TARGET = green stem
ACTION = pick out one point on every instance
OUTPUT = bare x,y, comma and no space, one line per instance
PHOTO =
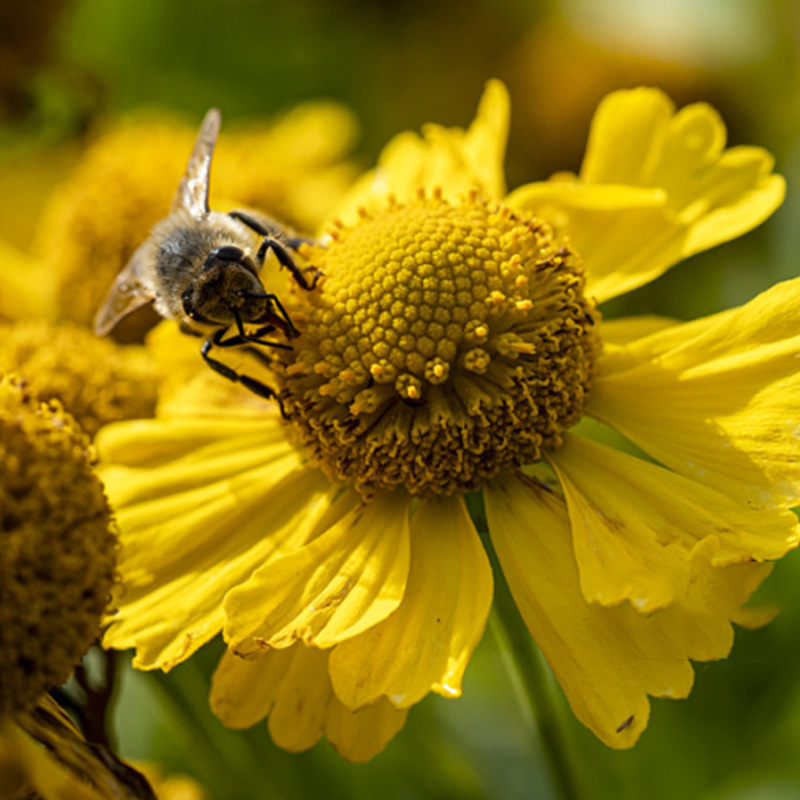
531,680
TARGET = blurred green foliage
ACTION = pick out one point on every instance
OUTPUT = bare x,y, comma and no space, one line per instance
398,65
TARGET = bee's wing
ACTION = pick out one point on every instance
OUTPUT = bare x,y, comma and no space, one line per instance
130,291
192,194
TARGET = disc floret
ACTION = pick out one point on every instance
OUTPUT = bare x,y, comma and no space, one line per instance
445,342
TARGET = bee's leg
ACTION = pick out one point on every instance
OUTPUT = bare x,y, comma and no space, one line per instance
287,260
243,337
272,229
264,225
255,386
280,241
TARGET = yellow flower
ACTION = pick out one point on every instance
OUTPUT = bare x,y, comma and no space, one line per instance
59,552
97,380
449,347
56,571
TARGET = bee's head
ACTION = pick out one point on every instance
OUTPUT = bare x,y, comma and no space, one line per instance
228,285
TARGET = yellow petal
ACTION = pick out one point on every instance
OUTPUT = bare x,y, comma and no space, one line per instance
629,329
196,518
624,348
716,400
619,334
243,691
635,526
483,145
700,195
628,130
607,660
170,611
338,585
297,719
451,159
742,197
150,442
551,199
360,735
624,242
306,708
426,643
293,686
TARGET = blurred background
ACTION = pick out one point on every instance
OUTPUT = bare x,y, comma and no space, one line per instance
71,69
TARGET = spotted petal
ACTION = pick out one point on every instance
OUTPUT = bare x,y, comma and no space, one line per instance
672,190
426,643
608,660
336,586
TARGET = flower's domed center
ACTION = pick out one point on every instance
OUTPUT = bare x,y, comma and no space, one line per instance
58,553
443,343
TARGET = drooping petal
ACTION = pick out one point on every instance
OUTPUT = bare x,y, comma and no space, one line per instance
699,194
336,586
209,507
451,159
243,691
360,735
635,526
297,719
607,660
717,399
426,643
293,687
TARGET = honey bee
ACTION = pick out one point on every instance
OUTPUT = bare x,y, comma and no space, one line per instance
201,268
